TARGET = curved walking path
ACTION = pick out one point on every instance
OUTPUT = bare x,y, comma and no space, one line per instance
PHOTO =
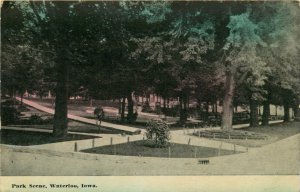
105,139
178,136
127,129
281,157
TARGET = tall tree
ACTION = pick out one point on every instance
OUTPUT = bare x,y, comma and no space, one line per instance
191,35
241,61
64,29
279,27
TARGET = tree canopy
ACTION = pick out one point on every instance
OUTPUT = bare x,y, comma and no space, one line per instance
206,51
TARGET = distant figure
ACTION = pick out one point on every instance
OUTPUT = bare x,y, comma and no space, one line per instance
99,114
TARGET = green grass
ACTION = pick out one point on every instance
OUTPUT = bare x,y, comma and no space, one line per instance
274,133
73,126
26,138
146,149
79,108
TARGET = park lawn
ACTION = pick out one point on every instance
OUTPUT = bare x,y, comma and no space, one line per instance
74,126
26,138
77,107
80,108
143,148
274,132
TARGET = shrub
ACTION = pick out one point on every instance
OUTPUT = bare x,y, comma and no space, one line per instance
135,115
35,119
146,108
9,115
48,120
22,108
8,102
158,131
174,111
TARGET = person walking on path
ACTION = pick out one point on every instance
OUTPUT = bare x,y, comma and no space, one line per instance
99,114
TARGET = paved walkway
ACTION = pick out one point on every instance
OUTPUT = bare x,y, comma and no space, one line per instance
127,129
106,139
183,136
281,157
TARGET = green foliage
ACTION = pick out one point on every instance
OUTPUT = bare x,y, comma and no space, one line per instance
175,49
191,39
243,32
200,39
281,31
9,115
22,68
279,28
158,131
243,58
156,11
175,54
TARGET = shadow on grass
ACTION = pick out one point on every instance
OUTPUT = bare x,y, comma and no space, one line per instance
146,149
73,126
26,138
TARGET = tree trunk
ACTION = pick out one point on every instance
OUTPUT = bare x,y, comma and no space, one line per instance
123,110
180,110
11,93
227,102
120,106
60,125
207,110
216,108
253,113
286,108
52,102
297,111
21,99
198,107
14,96
266,112
185,103
130,108
287,98
236,109
183,116
91,102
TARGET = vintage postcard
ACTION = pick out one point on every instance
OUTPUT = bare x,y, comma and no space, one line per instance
150,95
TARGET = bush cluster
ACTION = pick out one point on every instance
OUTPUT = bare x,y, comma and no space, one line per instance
158,131
9,115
